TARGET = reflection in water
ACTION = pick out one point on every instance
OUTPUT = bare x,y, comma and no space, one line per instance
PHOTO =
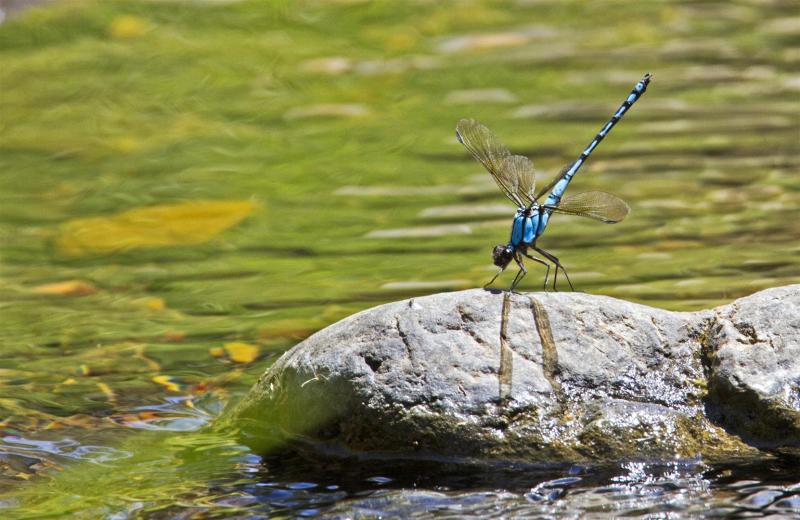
63,448
408,489
328,129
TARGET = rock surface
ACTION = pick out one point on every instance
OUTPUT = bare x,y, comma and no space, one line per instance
752,353
539,377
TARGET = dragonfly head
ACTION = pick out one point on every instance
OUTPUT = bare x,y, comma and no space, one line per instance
502,255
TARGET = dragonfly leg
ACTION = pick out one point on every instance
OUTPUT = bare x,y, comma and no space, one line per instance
487,284
520,274
558,265
546,273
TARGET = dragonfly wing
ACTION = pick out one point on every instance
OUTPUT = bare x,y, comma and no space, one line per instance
520,168
598,205
491,153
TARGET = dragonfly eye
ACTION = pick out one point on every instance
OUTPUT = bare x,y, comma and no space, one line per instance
502,255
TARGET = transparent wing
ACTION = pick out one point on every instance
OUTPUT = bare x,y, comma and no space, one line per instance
598,205
520,169
492,154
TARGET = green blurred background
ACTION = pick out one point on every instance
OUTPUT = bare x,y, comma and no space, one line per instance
188,188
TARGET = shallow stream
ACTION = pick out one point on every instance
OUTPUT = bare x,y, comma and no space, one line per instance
187,189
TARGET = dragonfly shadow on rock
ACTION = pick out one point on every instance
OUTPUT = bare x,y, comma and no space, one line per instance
505,370
550,366
516,178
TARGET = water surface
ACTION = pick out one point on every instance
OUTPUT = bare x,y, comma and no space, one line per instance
190,188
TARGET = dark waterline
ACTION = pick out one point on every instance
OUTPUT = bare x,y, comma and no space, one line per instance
353,488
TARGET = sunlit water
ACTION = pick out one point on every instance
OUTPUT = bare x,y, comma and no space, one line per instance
189,189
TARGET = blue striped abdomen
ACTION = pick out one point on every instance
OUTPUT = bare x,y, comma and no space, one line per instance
554,197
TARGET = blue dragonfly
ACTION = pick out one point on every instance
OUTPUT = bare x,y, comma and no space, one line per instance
516,178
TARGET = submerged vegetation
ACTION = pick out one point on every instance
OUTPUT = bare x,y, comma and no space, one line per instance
189,188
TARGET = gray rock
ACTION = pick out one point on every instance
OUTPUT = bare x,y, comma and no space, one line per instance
752,352
567,376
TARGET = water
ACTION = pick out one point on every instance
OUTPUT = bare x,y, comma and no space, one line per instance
135,304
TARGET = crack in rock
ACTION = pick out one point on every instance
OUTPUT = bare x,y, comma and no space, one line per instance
467,318
404,338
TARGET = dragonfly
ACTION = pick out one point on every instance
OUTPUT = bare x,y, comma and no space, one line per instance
516,178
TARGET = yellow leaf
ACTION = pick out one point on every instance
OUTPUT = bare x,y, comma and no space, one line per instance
155,304
66,288
127,27
216,351
167,382
153,226
241,352
106,390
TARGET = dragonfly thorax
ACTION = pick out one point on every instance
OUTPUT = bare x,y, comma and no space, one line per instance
528,224
533,209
